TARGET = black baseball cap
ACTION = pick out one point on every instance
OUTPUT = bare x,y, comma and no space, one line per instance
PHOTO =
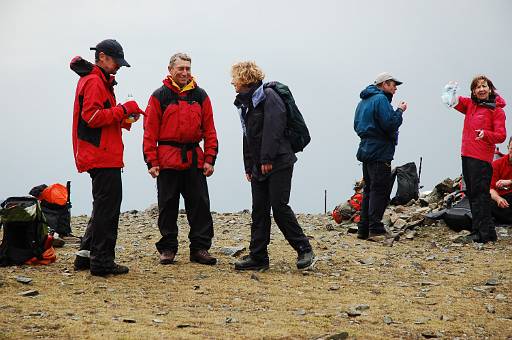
113,49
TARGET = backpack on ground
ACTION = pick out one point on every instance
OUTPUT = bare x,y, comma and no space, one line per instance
408,183
296,130
458,216
25,232
55,205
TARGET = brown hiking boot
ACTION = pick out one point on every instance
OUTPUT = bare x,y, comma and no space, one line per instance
167,257
202,256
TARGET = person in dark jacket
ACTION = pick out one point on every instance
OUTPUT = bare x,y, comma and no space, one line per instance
377,123
98,150
268,161
178,117
484,127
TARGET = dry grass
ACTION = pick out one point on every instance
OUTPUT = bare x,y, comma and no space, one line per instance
426,286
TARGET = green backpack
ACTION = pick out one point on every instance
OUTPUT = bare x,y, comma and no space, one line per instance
25,230
296,130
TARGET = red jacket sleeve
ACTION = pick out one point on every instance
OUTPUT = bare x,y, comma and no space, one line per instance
499,132
462,106
496,173
211,144
93,111
152,132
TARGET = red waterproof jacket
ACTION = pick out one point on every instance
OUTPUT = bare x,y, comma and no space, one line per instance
481,116
176,121
97,122
501,169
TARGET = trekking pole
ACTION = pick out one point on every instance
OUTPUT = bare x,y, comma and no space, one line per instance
419,173
325,201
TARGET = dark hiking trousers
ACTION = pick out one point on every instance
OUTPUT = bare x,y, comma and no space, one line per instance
377,187
101,234
191,184
502,215
477,175
274,192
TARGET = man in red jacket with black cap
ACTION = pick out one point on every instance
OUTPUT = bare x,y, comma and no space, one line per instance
98,150
178,117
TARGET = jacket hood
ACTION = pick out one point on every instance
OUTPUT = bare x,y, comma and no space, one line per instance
372,90
81,66
500,102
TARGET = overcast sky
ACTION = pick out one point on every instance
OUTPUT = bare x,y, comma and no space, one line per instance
326,51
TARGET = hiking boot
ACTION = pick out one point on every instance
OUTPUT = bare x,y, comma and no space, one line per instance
380,236
202,256
167,257
248,263
362,232
116,269
58,242
306,260
82,263
465,239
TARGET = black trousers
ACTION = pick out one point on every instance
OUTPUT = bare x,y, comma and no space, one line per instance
377,187
274,192
477,175
502,215
191,184
101,234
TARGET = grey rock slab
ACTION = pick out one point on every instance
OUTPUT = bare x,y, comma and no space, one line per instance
500,297
431,334
232,251
31,292
491,282
353,312
485,289
388,320
23,279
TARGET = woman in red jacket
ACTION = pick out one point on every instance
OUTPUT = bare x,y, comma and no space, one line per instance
484,127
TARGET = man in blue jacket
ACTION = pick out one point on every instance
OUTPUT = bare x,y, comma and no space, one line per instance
377,123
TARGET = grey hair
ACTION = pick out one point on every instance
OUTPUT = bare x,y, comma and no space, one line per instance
181,56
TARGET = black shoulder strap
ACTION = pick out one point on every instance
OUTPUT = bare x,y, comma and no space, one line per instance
166,96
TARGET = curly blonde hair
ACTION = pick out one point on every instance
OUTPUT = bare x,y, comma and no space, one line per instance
247,72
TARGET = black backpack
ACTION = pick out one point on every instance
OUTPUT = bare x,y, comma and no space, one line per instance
457,217
296,130
25,230
408,183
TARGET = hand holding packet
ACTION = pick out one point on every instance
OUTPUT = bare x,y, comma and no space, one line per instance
449,95
132,110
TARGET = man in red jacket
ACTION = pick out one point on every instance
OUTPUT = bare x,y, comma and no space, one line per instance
98,149
179,116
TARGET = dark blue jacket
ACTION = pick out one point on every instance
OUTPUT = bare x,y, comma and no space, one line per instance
376,123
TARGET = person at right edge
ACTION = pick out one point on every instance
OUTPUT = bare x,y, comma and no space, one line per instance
377,123
268,161
484,127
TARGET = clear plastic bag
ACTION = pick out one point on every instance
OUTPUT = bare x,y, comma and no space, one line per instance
449,95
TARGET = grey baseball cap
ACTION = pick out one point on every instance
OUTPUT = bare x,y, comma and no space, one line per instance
384,76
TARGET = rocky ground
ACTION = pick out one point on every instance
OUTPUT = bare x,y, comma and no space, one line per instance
422,286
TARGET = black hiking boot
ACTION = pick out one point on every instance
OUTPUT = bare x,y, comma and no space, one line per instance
248,263
116,269
82,263
306,260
